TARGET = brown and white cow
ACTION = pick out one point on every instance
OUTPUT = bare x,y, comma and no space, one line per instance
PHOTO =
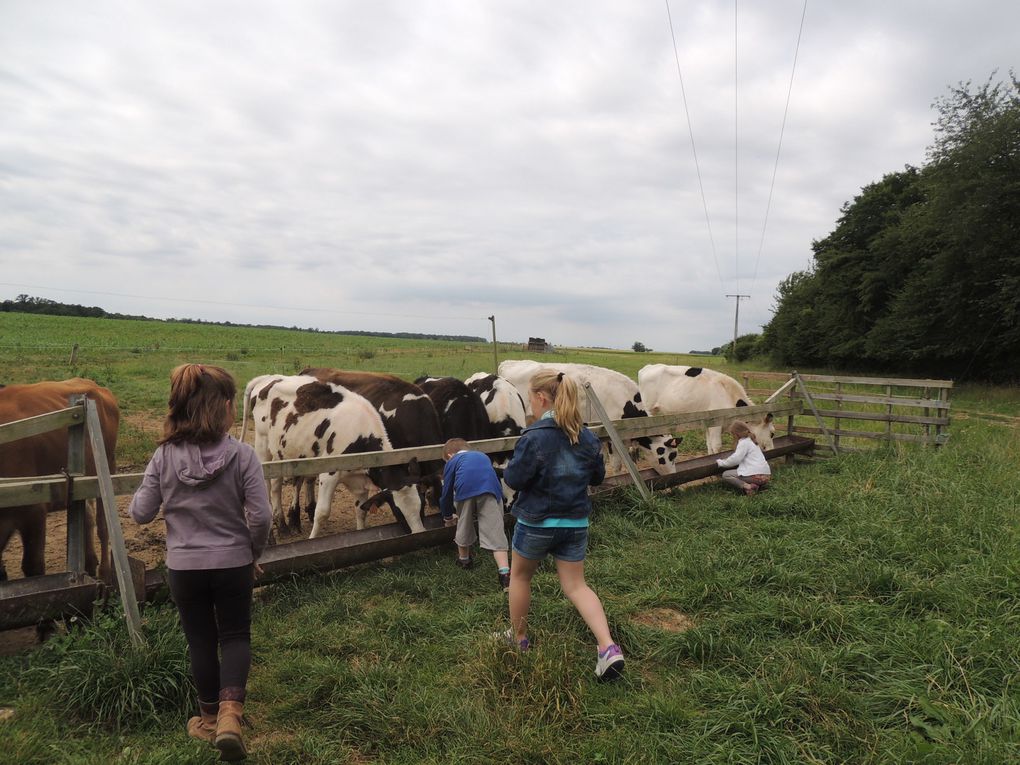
675,389
46,454
299,417
619,396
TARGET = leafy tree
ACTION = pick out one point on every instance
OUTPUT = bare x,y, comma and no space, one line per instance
922,271
639,347
747,348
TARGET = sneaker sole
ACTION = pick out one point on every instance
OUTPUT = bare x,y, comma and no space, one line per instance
613,672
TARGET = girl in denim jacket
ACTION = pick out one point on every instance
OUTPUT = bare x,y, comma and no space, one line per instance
554,463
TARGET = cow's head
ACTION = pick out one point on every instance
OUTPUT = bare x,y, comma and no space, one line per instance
662,450
764,431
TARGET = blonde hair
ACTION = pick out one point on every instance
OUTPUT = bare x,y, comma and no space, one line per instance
197,411
738,429
563,393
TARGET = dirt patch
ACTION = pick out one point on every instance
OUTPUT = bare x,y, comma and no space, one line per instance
666,619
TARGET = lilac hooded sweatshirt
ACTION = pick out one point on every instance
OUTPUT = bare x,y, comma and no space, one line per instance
214,501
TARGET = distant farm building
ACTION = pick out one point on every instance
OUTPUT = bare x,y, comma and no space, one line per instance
538,344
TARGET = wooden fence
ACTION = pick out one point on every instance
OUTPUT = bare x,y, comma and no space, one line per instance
26,601
845,410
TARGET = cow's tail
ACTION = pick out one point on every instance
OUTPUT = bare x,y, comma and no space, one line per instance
246,406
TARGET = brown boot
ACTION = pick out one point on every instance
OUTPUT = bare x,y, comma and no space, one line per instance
228,731
203,727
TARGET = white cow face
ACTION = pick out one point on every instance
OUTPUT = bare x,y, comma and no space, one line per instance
764,432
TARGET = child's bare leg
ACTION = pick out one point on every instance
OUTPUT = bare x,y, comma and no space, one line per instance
583,597
521,572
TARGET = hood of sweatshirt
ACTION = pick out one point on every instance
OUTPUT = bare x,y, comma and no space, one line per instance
201,464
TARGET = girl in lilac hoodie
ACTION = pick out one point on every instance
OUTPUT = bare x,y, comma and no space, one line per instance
218,516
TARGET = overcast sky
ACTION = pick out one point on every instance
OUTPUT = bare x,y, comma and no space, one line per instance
419,166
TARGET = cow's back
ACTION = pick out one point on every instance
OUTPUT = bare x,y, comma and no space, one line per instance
502,401
617,392
46,453
407,412
461,412
669,389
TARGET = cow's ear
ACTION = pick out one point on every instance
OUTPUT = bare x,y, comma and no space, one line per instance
673,443
413,469
768,418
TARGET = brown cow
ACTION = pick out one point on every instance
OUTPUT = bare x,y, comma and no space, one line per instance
46,454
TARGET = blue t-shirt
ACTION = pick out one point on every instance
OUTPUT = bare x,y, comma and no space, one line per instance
466,475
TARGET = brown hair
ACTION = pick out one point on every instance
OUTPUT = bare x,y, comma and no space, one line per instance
197,410
738,429
563,392
453,446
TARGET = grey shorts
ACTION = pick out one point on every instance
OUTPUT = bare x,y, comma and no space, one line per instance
488,510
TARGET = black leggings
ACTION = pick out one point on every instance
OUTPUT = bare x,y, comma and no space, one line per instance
215,610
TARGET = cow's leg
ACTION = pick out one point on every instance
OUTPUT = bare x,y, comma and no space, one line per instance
310,489
275,487
613,462
6,532
104,567
409,504
713,440
33,541
294,514
324,500
359,485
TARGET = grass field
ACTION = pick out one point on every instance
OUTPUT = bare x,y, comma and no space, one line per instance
864,610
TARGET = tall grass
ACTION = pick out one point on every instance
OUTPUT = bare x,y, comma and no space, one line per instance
863,610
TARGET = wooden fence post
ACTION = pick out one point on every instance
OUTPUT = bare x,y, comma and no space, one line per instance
642,487
76,508
120,556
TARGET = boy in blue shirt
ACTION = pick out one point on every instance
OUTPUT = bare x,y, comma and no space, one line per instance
472,490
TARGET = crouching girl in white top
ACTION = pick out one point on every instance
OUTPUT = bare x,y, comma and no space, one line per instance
752,472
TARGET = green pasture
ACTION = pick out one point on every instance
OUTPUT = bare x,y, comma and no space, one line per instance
864,610
134,359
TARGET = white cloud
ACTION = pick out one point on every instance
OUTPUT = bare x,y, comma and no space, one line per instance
384,162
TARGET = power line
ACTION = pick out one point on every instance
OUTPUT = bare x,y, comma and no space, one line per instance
782,130
241,305
694,150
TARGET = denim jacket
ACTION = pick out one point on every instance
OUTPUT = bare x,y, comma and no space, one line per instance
551,476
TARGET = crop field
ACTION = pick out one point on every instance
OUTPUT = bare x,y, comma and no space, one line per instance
863,610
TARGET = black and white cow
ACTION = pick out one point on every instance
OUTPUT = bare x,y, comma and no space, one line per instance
503,403
407,414
674,389
507,418
297,417
461,412
618,394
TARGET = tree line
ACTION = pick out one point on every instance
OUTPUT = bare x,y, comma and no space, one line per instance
922,271
29,304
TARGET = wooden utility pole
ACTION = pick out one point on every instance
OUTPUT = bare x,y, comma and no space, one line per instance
495,357
736,319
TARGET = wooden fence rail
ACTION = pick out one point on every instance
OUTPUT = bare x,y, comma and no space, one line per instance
24,491
863,404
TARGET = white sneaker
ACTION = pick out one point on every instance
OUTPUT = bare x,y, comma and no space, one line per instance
507,636
610,663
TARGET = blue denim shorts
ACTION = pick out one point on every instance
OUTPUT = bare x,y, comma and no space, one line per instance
534,542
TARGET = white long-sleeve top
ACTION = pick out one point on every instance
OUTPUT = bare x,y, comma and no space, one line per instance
748,458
